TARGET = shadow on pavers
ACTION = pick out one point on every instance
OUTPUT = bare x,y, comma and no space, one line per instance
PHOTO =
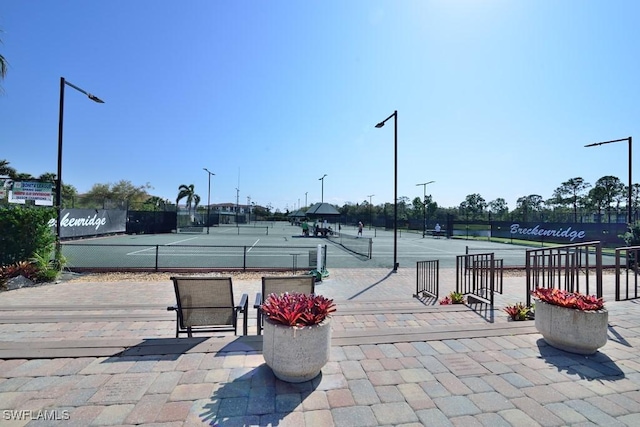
254,396
172,348
597,366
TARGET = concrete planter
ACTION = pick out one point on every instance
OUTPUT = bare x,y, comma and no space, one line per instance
296,354
575,331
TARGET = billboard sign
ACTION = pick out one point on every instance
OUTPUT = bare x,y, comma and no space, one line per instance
40,192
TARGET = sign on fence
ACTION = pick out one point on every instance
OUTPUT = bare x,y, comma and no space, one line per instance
39,192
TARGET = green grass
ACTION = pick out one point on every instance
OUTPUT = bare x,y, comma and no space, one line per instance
605,251
472,227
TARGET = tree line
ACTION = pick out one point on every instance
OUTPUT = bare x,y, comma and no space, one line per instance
574,200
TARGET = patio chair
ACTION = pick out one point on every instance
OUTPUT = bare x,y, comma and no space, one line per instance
304,284
206,304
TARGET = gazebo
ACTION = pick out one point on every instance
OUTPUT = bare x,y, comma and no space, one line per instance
322,211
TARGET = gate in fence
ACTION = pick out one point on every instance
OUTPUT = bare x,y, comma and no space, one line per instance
479,275
627,263
427,278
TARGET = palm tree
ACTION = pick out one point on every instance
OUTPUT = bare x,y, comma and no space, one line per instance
188,192
4,65
6,170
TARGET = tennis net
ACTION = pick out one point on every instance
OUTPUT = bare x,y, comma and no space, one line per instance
358,245
226,229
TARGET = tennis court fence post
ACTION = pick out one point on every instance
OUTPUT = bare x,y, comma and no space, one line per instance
244,258
157,256
324,255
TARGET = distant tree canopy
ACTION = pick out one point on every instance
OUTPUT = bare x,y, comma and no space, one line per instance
473,206
119,195
609,195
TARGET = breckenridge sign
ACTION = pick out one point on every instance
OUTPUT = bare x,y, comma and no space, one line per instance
558,233
90,222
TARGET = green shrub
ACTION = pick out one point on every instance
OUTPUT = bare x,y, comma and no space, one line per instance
632,236
24,231
47,268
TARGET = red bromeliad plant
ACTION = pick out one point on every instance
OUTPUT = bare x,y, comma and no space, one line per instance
568,299
297,309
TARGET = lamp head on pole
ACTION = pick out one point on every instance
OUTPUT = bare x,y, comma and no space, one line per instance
95,99
394,114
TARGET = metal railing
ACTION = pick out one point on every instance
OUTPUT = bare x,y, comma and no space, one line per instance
477,274
627,259
105,257
427,279
572,268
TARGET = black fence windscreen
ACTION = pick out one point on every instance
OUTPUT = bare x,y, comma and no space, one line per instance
75,223
145,222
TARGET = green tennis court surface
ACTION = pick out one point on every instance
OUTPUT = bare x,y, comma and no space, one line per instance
278,245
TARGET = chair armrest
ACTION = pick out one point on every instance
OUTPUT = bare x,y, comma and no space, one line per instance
244,308
172,308
243,305
258,302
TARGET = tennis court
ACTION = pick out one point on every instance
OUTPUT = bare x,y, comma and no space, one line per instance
274,245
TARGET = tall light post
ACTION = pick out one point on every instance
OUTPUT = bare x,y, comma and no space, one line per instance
94,98
395,185
322,193
424,207
629,201
370,214
237,206
305,199
209,199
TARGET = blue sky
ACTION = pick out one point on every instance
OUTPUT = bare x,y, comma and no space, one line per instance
494,97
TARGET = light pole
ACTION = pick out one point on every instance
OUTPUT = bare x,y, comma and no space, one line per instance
305,199
322,193
629,201
395,185
370,215
237,206
424,207
209,199
94,98
249,208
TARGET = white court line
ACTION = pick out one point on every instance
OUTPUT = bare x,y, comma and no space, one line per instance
252,246
140,251
166,244
179,241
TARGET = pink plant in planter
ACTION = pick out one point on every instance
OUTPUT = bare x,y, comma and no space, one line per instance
568,299
297,309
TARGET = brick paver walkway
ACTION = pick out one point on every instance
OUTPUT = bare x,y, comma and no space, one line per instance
465,378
